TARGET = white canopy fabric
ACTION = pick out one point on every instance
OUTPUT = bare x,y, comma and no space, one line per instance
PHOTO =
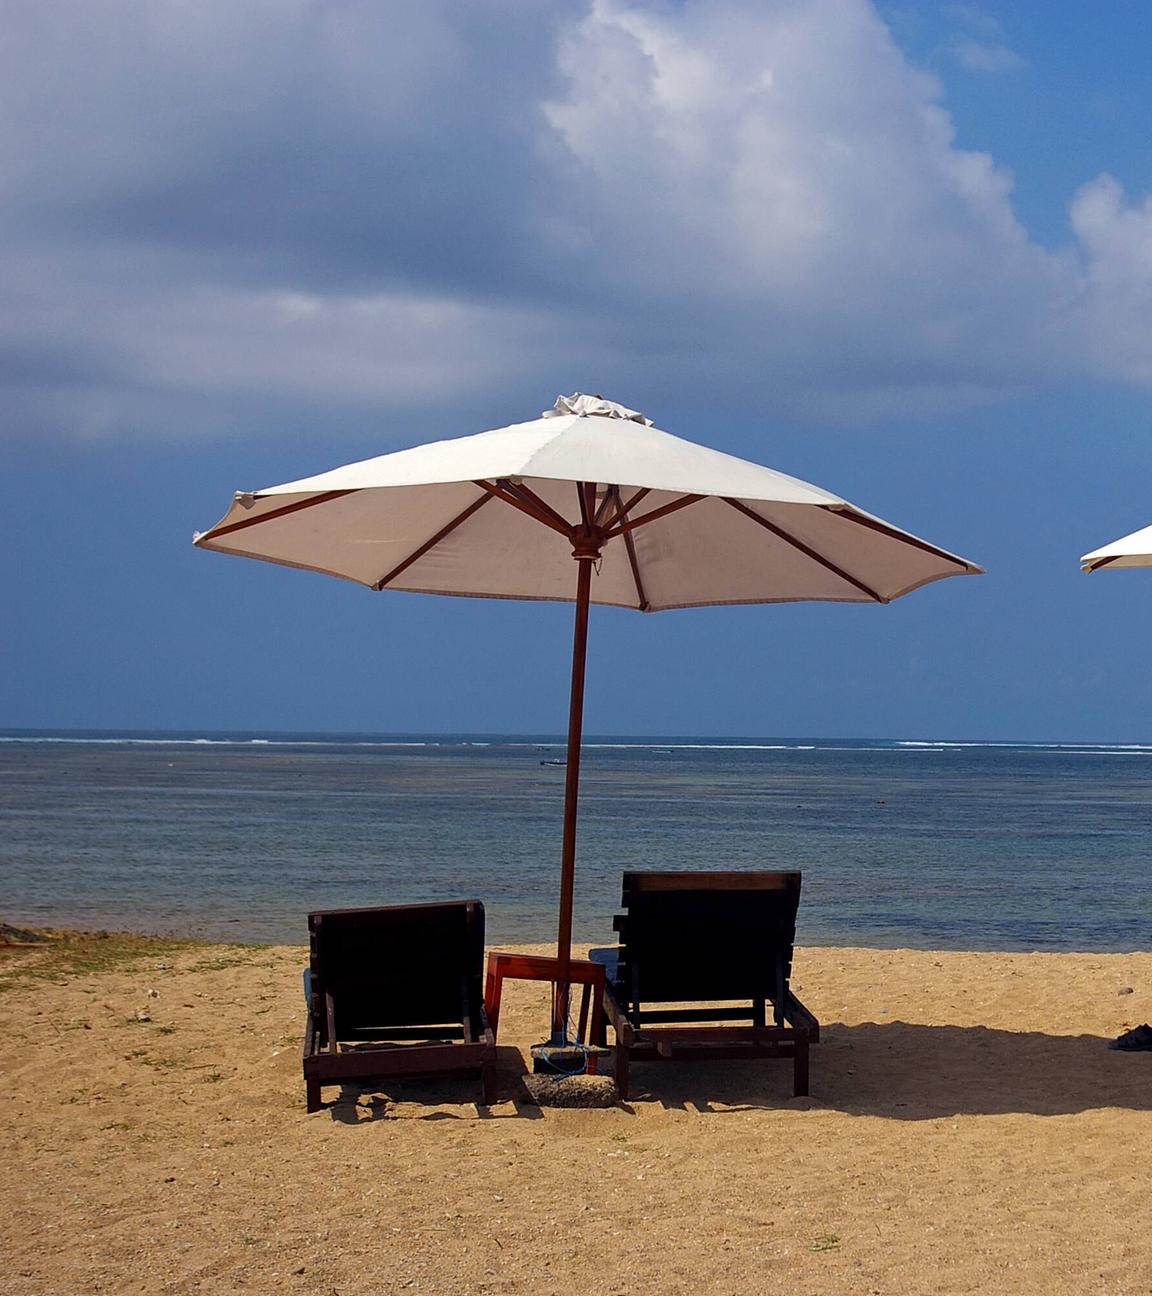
1133,550
678,525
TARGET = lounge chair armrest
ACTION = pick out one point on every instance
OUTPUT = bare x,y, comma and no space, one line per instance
330,1019
486,1033
311,1035
625,1031
795,1014
466,1010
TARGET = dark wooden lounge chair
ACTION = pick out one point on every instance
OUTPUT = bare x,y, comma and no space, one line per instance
397,992
719,947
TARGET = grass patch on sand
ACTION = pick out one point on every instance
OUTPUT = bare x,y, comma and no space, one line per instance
230,956
72,953
826,1242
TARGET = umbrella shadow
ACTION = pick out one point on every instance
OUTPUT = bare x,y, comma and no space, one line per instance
914,1072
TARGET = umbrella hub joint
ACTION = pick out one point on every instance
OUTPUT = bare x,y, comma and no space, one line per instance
587,543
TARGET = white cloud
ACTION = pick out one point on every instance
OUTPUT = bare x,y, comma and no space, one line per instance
1116,301
782,164
984,56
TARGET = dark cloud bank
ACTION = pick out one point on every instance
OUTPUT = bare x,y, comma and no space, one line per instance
223,217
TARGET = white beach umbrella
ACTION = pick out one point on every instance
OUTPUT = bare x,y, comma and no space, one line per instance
652,521
1133,550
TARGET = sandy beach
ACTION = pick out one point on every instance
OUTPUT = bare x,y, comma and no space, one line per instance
968,1131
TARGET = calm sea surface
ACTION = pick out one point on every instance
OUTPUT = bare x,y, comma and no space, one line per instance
237,836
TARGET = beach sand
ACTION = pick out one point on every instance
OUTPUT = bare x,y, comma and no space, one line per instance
968,1131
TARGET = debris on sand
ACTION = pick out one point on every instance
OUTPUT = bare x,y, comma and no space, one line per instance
10,935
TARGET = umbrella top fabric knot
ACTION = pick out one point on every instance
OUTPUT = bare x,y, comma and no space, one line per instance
582,405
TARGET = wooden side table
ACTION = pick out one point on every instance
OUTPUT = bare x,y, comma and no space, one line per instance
542,967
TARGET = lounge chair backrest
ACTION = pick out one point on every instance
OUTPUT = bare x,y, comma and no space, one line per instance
400,965
707,936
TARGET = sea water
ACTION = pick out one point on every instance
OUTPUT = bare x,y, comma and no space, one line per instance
916,843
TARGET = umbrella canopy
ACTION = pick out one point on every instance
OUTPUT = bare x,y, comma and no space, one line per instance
496,515
1133,550
653,521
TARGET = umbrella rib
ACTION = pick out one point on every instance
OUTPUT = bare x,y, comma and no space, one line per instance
274,513
624,527
527,493
582,499
525,506
630,546
644,490
804,549
611,497
461,517
1102,562
874,524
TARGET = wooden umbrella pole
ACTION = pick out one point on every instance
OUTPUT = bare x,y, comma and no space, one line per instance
571,797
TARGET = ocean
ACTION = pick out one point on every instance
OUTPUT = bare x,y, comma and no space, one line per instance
915,843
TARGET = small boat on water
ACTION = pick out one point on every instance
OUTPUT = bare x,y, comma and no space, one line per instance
555,760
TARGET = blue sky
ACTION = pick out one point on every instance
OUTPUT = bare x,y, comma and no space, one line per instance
900,250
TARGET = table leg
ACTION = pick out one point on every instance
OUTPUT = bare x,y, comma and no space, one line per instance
493,985
585,997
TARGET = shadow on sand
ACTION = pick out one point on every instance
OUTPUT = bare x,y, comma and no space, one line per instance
363,1104
893,1069
911,1072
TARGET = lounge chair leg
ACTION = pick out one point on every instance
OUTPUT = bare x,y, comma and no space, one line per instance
621,1070
800,1065
487,1085
312,1091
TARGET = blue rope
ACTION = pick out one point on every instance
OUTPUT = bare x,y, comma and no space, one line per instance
571,1042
